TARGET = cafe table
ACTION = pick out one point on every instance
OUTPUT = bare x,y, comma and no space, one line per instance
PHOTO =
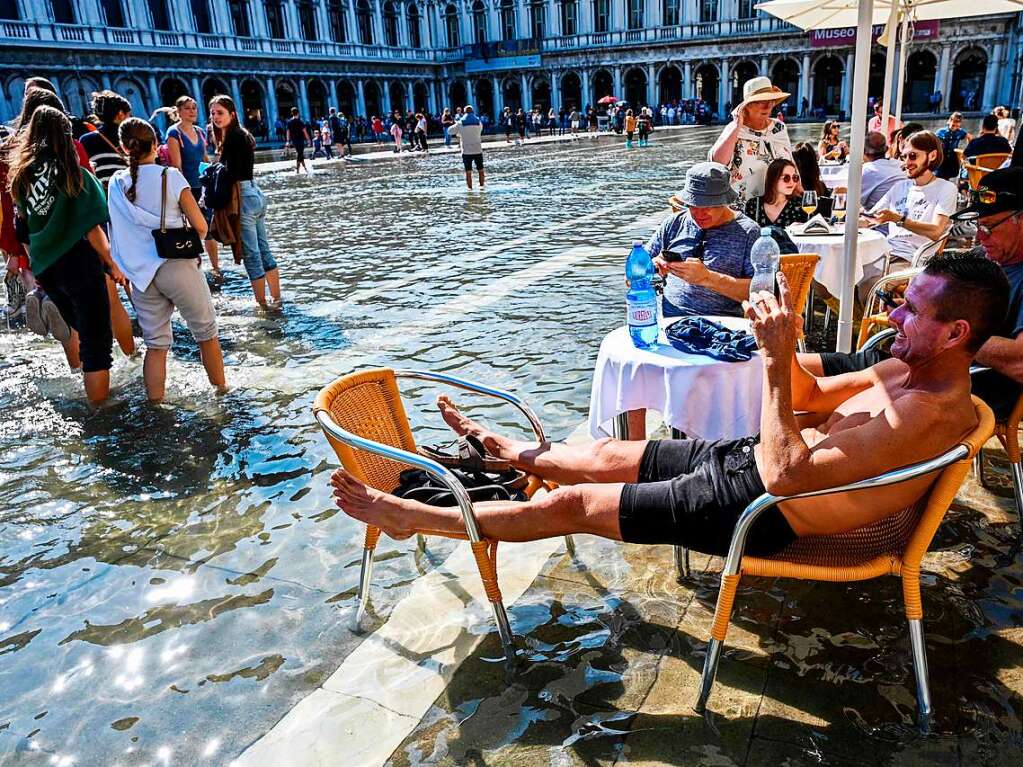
698,395
835,174
871,246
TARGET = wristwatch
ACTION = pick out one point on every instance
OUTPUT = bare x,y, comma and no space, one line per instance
902,220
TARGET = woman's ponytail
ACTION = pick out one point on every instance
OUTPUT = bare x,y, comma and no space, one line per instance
138,140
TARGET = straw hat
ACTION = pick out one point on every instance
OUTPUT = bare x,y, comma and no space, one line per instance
761,89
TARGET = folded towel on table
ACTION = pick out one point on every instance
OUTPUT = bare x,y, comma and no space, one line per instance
698,335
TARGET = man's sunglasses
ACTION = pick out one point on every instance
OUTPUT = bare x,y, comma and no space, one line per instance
986,230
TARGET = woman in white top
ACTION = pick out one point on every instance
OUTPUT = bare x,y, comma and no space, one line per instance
1006,125
135,197
753,139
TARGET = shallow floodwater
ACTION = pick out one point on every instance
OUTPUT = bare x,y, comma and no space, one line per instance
174,578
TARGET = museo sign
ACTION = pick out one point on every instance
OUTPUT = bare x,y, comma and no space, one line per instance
846,36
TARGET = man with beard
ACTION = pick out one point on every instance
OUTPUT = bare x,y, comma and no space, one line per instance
692,492
918,209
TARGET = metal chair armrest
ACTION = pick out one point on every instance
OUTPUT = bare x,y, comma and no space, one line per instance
893,477
478,388
428,465
877,338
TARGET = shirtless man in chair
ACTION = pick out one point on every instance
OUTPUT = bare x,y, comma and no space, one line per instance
687,492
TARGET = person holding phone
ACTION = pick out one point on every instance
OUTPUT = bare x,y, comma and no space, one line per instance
703,251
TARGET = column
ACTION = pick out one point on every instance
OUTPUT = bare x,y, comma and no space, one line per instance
272,112
105,79
585,21
652,15
498,98
617,15
360,99
385,96
687,80
764,67
197,95
378,23
804,82
553,23
523,23
260,28
352,24
616,73
992,77
303,99
587,94
292,29
154,93
847,76
651,86
724,90
527,93
944,75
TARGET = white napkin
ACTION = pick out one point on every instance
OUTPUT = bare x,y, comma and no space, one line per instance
816,225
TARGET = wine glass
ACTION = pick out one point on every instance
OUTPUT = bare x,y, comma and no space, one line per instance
809,202
838,205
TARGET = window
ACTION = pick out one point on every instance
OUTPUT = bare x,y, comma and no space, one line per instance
747,9
708,10
538,19
239,10
158,10
390,24
9,10
307,19
601,15
113,13
63,12
479,22
569,17
636,14
201,14
364,16
672,15
275,18
508,19
415,37
451,24
336,26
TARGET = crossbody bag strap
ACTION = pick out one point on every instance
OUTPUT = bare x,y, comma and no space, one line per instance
163,201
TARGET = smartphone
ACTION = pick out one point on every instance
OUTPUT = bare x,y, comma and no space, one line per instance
670,255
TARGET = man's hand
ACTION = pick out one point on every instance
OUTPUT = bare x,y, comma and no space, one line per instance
661,265
692,270
774,324
887,216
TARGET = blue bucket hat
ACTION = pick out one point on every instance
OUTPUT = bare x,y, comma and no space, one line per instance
708,185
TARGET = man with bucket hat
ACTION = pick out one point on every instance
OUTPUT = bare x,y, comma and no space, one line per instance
998,213
753,138
703,251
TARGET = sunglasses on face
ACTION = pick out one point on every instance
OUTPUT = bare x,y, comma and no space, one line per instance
911,156
794,178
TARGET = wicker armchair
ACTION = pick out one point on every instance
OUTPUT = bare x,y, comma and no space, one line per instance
891,546
798,269
979,166
364,420
1007,432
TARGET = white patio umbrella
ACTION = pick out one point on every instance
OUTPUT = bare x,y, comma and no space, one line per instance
863,14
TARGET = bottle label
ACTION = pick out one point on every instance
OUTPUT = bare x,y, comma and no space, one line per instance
642,313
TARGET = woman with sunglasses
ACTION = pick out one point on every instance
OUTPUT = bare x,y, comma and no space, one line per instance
778,205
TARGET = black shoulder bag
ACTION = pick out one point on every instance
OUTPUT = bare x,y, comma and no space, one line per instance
179,242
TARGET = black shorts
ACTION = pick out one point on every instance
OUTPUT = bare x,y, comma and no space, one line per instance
299,148
837,363
691,493
78,288
469,159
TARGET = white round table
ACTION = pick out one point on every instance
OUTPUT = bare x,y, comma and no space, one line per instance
835,175
870,246
698,395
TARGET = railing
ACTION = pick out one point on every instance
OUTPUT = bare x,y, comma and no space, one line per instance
46,33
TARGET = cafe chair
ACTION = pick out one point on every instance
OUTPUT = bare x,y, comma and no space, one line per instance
979,166
364,420
891,546
1007,432
798,269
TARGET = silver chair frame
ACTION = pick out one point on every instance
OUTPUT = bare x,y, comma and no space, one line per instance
443,475
765,502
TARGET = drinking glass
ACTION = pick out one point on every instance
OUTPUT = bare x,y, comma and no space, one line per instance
809,202
838,205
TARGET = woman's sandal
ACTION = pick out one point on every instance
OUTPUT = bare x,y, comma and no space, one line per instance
472,456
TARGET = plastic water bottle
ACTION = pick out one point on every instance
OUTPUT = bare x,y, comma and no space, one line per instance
765,256
641,299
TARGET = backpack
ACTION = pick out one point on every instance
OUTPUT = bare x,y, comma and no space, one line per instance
218,186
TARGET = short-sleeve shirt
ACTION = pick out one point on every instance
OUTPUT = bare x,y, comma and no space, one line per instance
296,130
999,391
987,143
950,139
726,249
754,151
918,203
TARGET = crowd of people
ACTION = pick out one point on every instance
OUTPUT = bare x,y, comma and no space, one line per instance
97,209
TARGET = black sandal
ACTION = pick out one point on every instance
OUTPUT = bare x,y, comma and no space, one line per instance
472,456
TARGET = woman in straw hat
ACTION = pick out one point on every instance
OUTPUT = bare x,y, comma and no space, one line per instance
753,139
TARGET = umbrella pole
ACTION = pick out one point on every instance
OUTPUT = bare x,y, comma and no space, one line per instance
865,13
889,68
903,50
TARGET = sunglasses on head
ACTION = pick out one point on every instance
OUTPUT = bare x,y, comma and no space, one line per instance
990,196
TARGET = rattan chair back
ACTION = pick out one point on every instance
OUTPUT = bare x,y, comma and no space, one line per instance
798,269
979,166
369,405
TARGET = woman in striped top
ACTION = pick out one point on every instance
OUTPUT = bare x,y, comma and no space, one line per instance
104,149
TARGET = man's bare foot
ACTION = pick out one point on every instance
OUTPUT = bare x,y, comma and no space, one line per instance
495,445
369,505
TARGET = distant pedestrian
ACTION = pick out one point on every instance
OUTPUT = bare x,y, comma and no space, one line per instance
298,137
396,135
469,132
421,128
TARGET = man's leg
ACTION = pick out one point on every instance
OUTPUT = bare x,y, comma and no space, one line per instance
468,179
605,460
592,509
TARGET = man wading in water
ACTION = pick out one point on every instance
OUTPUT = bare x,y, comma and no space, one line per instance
691,492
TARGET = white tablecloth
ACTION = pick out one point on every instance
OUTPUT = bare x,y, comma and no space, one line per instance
699,395
870,247
835,175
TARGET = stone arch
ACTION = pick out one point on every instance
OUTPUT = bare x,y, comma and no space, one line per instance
540,94
969,73
921,74
511,93
785,74
287,97
214,86
459,94
706,78
571,91
397,95
484,97
371,93
346,98
171,88
741,72
669,84
78,90
634,87
252,109
827,86
420,96
318,98
601,84
132,90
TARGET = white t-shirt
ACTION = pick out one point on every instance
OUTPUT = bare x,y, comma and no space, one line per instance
918,203
1006,127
